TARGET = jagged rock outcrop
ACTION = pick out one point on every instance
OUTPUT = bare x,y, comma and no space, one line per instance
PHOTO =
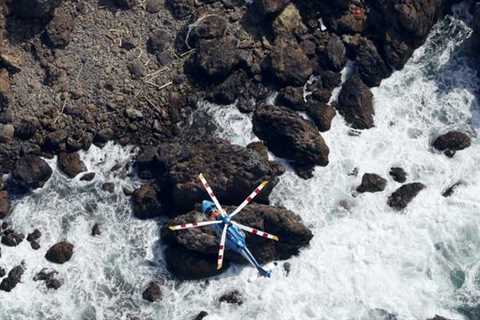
231,170
355,103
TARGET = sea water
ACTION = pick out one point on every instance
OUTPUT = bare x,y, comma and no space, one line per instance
365,259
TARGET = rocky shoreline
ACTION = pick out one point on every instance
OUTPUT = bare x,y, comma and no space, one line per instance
77,73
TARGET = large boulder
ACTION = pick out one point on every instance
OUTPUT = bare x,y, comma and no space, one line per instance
70,164
34,8
370,65
372,182
146,202
152,292
60,252
452,141
31,172
4,204
213,60
13,278
200,246
289,63
355,103
290,136
231,170
322,115
399,199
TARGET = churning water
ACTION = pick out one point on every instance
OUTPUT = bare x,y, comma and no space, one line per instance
364,256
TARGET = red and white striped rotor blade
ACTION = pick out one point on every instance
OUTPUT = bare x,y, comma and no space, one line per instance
221,250
193,225
257,232
211,194
248,199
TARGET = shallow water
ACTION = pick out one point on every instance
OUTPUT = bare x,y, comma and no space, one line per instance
415,264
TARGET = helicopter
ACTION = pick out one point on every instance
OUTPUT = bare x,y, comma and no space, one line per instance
232,235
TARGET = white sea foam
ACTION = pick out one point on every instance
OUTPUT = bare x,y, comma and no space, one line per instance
363,255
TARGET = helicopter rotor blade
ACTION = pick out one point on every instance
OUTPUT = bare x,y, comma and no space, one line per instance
257,232
193,225
211,194
222,247
248,199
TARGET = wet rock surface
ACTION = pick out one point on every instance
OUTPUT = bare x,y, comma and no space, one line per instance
13,278
355,104
50,278
192,253
70,164
152,292
290,136
31,172
452,141
404,195
60,252
232,297
372,182
147,203
398,174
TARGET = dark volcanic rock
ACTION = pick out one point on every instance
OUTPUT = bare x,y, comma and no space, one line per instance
34,236
4,204
34,8
398,174
289,63
96,230
355,103
11,238
232,171
372,182
192,253
49,276
89,176
59,29
322,115
180,9
403,195
450,190
152,292
292,97
60,252
271,6
213,60
70,164
201,315
453,141
232,297
126,4
31,172
289,136
371,67
237,87
146,203
13,278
